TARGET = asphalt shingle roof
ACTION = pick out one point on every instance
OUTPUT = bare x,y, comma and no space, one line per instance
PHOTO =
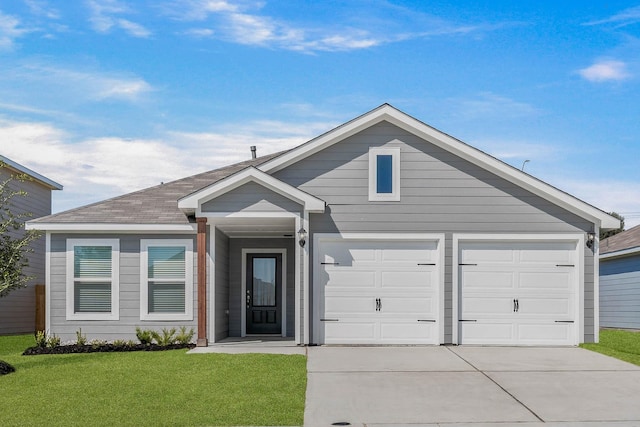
626,240
154,205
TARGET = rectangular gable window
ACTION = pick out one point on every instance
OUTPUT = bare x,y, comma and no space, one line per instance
166,279
384,174
92,279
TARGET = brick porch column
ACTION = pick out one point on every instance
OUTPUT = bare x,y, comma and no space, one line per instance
202,282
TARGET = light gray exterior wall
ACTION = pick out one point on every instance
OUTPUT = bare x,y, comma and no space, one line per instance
129,291
251,197
17,310
235,278
620,292
221,285
440,193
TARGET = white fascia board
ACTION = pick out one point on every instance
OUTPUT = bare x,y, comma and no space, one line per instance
109,228
621,253
392,115
251,174
23,169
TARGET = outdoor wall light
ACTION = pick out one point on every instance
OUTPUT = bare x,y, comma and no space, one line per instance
591,238
302,237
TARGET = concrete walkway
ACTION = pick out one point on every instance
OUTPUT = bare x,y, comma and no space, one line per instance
479,386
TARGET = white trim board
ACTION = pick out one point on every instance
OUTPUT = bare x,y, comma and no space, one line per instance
243,287
112,228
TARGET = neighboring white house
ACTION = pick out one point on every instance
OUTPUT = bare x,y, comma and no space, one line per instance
383,230
17,310
620,280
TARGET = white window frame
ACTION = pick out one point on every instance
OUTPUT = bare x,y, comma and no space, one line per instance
144,279
115,279
394,196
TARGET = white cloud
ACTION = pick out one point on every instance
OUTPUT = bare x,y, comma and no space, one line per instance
10,30
622,19
104,18
491,105
515,150
89,85
605,70
98,168
41,8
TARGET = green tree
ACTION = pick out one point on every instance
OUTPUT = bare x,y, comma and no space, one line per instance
14,241
605,234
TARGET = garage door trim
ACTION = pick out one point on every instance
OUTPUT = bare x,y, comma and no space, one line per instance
577,238
438,238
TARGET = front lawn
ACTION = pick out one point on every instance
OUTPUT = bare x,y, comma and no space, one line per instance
623,345
150,388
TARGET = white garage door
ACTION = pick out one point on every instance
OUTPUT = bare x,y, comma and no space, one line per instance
377,291
518,293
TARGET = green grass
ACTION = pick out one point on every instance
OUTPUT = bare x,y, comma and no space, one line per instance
623,345
167,388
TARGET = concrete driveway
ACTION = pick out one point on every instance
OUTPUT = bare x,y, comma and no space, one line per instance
378,386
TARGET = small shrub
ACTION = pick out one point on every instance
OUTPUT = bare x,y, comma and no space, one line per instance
168,336
131,343
6,368
53,341
96,344
183,336
145,336
119,343
41,339
80,339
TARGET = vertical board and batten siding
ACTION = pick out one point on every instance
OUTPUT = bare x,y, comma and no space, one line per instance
620,292
251,197
17,310
440,193
129,291
235,277
221,285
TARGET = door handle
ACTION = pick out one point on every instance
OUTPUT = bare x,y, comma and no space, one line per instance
517,305
514,305
377,304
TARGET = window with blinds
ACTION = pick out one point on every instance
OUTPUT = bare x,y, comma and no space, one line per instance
92,279
166,279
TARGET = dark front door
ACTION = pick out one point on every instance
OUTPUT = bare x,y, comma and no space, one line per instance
264,293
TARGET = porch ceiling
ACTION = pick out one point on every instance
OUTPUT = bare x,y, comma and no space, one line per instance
256,227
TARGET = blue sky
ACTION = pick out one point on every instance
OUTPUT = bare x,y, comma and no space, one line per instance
110,96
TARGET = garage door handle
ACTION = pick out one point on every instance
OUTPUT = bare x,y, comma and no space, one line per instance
329,263
565,265
426,320
329,320
564,321
429,263
466,264
467,320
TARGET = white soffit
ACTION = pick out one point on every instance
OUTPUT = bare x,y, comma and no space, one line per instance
191,202
392,115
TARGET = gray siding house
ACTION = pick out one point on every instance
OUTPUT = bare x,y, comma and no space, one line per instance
620,280
18,309
383,230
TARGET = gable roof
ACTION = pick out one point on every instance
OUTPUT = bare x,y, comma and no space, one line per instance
624,243
155,205
52,185
192,203
396,117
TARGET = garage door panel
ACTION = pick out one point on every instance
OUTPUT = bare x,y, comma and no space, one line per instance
483,306
415,306
349,278
546,280
559,308
482,253
544,253
545,333
407,332
487,280
338,304
350,332
408,252
487,332
407,279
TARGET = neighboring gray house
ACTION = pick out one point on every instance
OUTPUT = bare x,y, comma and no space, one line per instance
620,280
17,310
383,230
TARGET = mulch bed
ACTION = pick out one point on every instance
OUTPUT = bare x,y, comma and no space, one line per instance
102,348
5,368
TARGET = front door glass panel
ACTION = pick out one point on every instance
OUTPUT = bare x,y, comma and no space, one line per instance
264,282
